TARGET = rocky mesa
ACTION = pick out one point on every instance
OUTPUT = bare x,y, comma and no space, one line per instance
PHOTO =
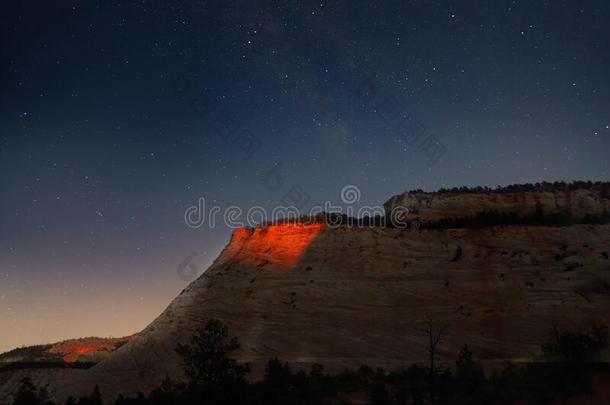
579,201
345,296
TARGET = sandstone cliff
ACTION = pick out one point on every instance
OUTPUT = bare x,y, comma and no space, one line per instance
580,203
342,297
345,297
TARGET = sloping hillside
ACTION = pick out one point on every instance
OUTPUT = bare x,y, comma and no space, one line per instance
346,296
89,349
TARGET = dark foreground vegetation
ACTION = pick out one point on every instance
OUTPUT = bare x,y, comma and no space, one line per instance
214,378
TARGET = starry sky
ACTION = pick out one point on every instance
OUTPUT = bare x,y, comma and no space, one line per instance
116,116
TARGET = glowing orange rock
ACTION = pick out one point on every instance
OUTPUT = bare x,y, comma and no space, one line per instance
70,350
280,246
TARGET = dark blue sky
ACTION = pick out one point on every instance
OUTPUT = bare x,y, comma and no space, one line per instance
110,127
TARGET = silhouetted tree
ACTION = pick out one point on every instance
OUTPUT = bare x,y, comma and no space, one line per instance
212,374
94,399
27,394
577,346
277,383
468,375
379,394
434,333
166,394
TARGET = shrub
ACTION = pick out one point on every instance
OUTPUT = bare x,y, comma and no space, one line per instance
577,346
211,372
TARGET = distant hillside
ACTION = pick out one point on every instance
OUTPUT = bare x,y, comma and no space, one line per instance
29,353
83,350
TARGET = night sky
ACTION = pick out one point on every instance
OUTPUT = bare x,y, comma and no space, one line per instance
115,117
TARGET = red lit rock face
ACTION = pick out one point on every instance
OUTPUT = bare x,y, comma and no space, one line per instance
71,350
279,246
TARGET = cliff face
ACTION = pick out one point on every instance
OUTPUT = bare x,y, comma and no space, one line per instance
345,297
432,207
